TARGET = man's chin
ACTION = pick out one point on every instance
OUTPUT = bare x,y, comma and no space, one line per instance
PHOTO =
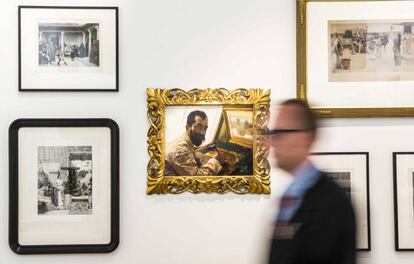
199,144
275,162
281,165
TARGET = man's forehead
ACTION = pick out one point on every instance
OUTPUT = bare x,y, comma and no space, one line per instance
199,120
290,110
287,117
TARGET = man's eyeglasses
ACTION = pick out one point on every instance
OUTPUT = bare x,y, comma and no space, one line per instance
278,132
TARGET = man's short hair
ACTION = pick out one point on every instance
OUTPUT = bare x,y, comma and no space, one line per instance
191,116
305,117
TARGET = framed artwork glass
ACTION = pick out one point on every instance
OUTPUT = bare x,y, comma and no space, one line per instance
208,140
64,186
64,48
350,170
354,58
404,200
240,125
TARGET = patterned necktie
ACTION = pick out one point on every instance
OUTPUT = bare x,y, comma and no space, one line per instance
287,206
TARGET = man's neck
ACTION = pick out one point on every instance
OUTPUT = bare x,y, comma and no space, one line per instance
300,167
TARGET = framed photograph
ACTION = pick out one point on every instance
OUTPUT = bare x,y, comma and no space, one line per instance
64,186
64,48
404,200
208,140
350,170
355,57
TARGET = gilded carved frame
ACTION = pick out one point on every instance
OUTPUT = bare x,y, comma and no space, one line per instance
158,99
301,86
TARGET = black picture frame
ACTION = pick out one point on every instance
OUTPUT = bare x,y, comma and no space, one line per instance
42,89
397,225
14,194
367,210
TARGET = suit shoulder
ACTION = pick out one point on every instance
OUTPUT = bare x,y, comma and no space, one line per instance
332,195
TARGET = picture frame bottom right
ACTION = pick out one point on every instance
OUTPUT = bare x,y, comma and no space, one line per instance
403,183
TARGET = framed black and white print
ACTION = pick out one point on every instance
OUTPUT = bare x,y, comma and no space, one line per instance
65,48
403,165
350,171
63,186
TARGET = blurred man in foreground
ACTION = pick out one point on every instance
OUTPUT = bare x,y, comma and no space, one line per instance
316,222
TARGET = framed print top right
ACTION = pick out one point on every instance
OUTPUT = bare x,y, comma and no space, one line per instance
356,58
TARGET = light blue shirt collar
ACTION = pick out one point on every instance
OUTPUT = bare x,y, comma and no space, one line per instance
305,176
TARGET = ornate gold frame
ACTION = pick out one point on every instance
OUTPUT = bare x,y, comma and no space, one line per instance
157,183
301,91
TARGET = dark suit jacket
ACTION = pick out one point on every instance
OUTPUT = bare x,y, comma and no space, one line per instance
322,231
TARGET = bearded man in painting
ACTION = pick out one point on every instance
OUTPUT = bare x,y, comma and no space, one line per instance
181,158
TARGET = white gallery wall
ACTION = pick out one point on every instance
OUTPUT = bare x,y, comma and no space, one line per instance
188,44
